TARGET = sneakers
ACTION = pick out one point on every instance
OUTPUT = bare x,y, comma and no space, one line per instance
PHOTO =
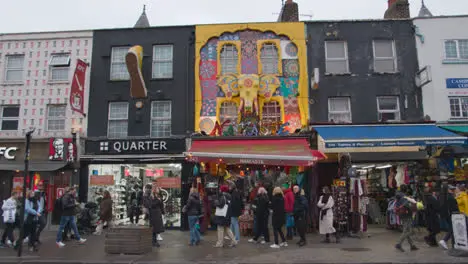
60,244
275,246
159,238
252,241
263,242
134,61
9,243
398,247
82,241
284,244
443,244
414,248
26,240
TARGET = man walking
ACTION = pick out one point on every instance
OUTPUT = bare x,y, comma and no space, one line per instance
404,210
40,196
9,218
68,217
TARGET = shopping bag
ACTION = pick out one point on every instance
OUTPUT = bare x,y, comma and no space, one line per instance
290,221
222,211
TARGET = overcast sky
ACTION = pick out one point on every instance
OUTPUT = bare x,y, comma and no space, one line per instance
52,15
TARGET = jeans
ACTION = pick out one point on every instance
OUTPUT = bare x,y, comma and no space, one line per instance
235,227
289,230
407,232
279,230
8,232
64,220
194,232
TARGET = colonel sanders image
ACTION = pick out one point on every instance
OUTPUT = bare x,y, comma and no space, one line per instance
58,149
71,154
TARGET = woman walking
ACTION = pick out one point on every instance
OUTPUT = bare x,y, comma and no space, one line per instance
432,209
9,218
326,204
300,214
31,220
223,217
193,211
156,211
279,217
105,213
262,212
448,207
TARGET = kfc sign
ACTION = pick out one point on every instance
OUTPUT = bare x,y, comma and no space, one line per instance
62,149
8,153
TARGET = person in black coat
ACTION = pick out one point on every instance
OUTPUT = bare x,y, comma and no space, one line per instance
236,210
432,209
261,207
156,211
448,207
193,209
279,217
223,217
300,214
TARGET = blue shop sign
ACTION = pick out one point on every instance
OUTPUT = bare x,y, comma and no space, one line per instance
457,83
409,143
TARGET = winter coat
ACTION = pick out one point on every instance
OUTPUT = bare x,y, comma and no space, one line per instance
279,216
9,210
32,208
193,206
326,216
432,208
68,205
462,201
448,207
156,209
105,210
222,199
288,201
300,205
236,203
261,206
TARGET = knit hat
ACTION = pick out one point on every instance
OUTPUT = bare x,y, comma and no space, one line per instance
285,185
224,188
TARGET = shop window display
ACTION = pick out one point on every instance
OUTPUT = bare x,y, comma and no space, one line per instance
126,184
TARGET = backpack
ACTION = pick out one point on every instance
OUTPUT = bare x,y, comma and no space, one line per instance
402,210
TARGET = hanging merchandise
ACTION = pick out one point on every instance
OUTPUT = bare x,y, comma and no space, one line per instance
300,179
196,171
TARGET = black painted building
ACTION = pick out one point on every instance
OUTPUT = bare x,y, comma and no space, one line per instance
366,71
131,144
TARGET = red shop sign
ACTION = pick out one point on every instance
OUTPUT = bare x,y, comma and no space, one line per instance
101,180
169,183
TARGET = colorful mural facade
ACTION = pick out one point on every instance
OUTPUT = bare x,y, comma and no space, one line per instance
251,79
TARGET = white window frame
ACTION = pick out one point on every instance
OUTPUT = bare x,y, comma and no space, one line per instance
2,118
59,62
331,112
119,76
223,58
460,105
109,120
345,59
394,58
56,118
224,114
161,119
265,59
277,117
457,47
157,62
397,111
17,69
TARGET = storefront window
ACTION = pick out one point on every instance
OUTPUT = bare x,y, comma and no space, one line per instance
126,183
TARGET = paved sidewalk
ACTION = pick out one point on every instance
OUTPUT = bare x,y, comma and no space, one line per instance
376,249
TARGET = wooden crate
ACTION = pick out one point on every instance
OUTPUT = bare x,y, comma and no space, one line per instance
135,240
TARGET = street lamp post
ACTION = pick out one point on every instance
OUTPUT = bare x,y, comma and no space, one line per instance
26,174
75,155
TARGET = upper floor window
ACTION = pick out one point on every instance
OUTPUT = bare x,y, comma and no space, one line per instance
456,49
14,68
458,107
10,117
339,110
163,61
228,111
118,69
56,116
271,113
336,57
229,57
385,59
161,115
118,120
269,58
59,67
388,108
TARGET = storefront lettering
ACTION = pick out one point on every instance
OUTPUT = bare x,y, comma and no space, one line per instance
122,146
8,153
252,161
457,83
395,143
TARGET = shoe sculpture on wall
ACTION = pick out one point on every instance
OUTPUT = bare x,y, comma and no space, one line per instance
134,61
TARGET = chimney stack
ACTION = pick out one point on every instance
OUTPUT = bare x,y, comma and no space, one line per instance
397,9
289,12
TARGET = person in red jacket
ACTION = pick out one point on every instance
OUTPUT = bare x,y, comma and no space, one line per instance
289,210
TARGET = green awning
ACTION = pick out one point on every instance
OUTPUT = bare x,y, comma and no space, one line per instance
458,129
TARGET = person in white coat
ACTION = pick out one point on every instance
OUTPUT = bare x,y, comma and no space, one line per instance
325,204
9,218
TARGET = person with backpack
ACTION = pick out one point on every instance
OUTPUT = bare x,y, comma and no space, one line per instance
405,207
9,218
193,209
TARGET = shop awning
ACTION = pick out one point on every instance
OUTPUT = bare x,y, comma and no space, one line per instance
404,135
456,128
280,151
33,166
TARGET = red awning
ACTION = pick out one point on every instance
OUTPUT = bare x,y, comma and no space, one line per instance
287,152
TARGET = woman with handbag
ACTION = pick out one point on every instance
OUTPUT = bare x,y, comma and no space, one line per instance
223,217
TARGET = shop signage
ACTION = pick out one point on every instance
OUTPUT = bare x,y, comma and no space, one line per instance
169,183
61,149
412,143
143,146
101,180
8,153
457,83
60,192
460,232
